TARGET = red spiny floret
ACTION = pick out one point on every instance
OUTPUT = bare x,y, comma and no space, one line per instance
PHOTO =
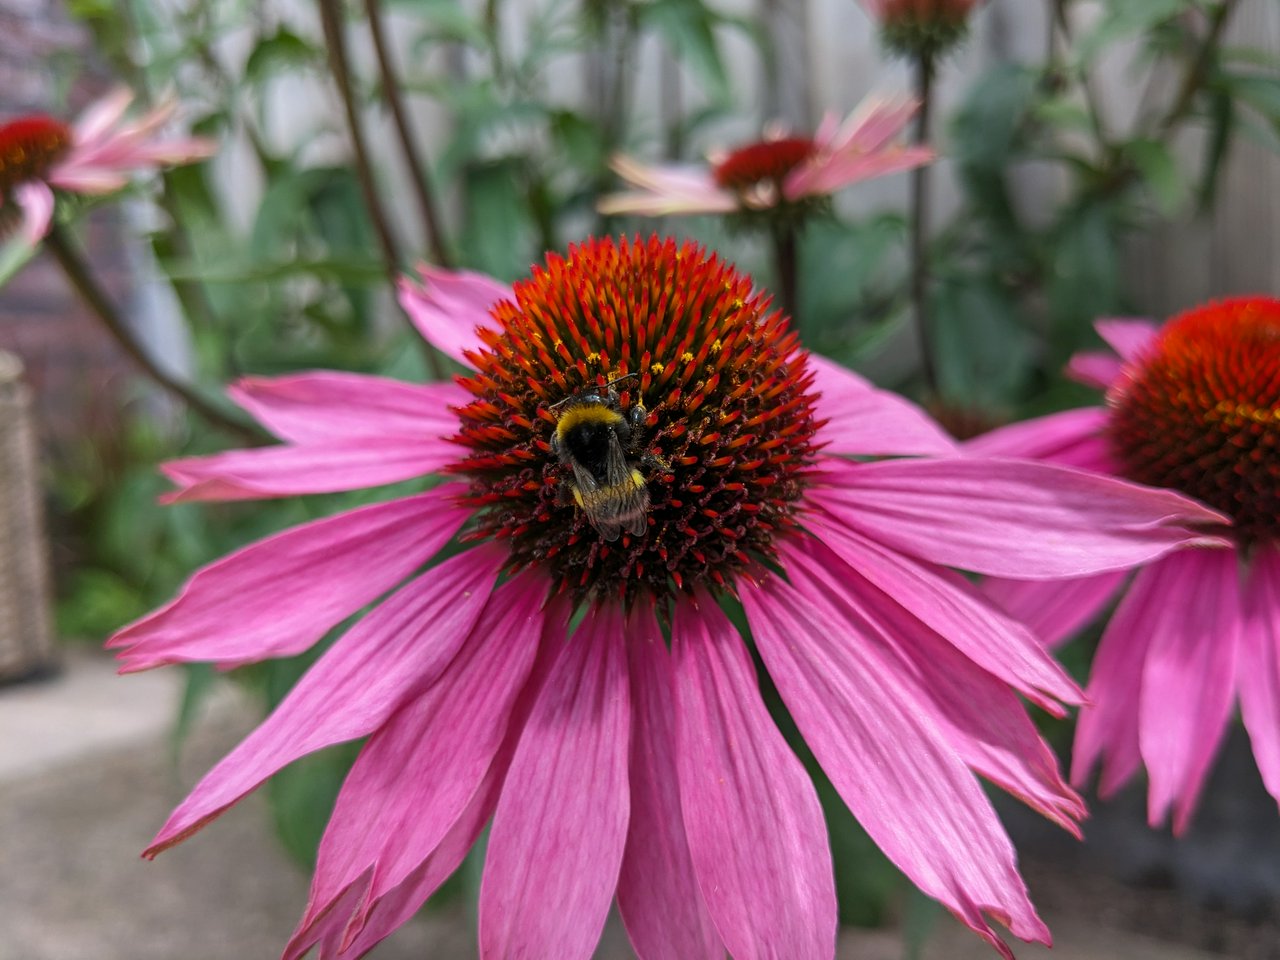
723,450
1200,412
768,161
29,146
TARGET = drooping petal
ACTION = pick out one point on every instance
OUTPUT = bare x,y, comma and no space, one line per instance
292,587
1055,610
1127,336
400,647
827,175
665,190
323,407
658,893
1009,518
1188,680
36,202
755,829
890,763
1094,369
1072,438
979,716
103,114
1259,664
955,609
285,471
417,774
350,925
555,848
865,421
451,307
1108,725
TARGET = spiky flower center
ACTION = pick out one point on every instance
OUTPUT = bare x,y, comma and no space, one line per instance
763,164
712,385
29,147
1200,412
927,28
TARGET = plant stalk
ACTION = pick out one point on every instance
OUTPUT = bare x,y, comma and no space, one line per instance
920,228
428,209
784,235
339,66
81,277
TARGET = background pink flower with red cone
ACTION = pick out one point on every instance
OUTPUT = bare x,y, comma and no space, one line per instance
1192,406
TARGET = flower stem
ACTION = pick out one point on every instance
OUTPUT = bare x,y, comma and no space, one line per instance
418,174
919,228
91,292
784,235
1199,68
339,66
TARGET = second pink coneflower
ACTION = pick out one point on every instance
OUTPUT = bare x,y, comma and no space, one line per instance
1193,406
96,155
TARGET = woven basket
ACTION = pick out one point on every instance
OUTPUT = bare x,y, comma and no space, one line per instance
26,641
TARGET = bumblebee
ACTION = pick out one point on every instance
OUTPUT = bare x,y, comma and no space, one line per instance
598,441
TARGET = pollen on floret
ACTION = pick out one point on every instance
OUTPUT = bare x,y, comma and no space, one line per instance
723,448
1199,412
29,147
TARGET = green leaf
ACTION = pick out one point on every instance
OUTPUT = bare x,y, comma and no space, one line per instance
1159,170
498,235
302,797
1259,91
199,684
1123,19
281,52
689,26
14,255
983,354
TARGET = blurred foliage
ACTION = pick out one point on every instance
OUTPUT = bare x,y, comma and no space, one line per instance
271,257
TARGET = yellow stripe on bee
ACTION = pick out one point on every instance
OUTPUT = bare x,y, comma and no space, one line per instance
605,494
586,413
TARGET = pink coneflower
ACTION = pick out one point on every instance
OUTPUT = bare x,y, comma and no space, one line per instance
1192,407
39,154
776,171
639,439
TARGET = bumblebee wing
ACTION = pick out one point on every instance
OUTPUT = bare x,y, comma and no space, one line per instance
621,502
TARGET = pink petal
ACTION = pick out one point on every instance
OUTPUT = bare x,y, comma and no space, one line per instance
352,924
1094,369
418,773
451,307
1055,610
1108,725
865,421
555,849
666,190
1188,681
1072,438
955,609
889,761
276,597
403,645
285,471
755,830
827,175
876,121
1009,518
36,202
1259,673
979,716
102,115
1128,337
323,407
658,894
